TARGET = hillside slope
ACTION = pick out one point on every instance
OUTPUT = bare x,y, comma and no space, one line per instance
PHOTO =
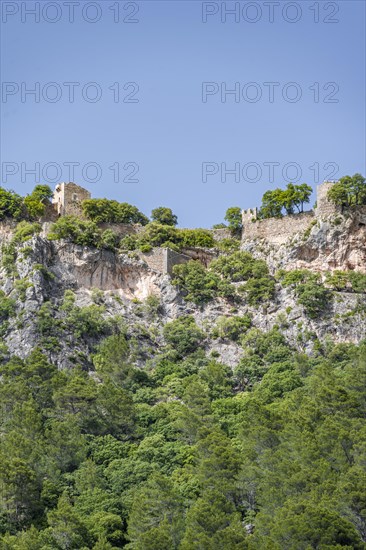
135,417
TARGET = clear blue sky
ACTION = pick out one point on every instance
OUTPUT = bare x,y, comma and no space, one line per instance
170,131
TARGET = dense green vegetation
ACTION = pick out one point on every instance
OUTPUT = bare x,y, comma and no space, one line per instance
289,200
31,207
150,441
349,191
185,453
202,285
309,290
164,215
83,232
112,211
165,235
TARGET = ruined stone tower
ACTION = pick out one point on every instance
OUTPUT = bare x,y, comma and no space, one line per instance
67,199
324,207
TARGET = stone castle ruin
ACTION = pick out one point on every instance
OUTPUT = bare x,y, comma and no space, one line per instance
279,230
68,198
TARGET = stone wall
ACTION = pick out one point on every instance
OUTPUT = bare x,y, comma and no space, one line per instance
67,199
163,259
203,255
122,229
278,230
173,258
324,208
155,259
221,234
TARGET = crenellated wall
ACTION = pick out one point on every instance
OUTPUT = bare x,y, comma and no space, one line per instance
280,230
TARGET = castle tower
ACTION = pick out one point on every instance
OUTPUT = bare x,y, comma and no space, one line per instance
67,199
248,216
324,207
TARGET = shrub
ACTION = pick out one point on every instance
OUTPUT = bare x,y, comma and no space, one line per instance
153,305
358,281
183,335
129,242
9,256
7,306
146,248
21,286
297,276
259,290
228,245
231,327
11,204
46,323
313,297
200,284
239,266
112,211
196,237
155,234
25,230
109,240
86,322
84,233
338,280
76,230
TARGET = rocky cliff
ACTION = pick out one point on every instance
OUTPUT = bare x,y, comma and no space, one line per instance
119,288
332,243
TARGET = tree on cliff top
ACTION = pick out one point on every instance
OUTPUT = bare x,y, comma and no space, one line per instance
348,191
234,219
290,199
164,215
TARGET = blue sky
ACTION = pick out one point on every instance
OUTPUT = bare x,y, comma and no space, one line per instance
311,51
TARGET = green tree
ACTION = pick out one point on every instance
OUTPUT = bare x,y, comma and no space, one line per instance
164,216
199,284
299,526
302,195
234,218
156,518
183,335
212,523
348,191
112,211
66,531
11,204
36,202
272,203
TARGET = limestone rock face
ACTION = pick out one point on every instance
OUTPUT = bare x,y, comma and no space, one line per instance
121,284
336,243
88,268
